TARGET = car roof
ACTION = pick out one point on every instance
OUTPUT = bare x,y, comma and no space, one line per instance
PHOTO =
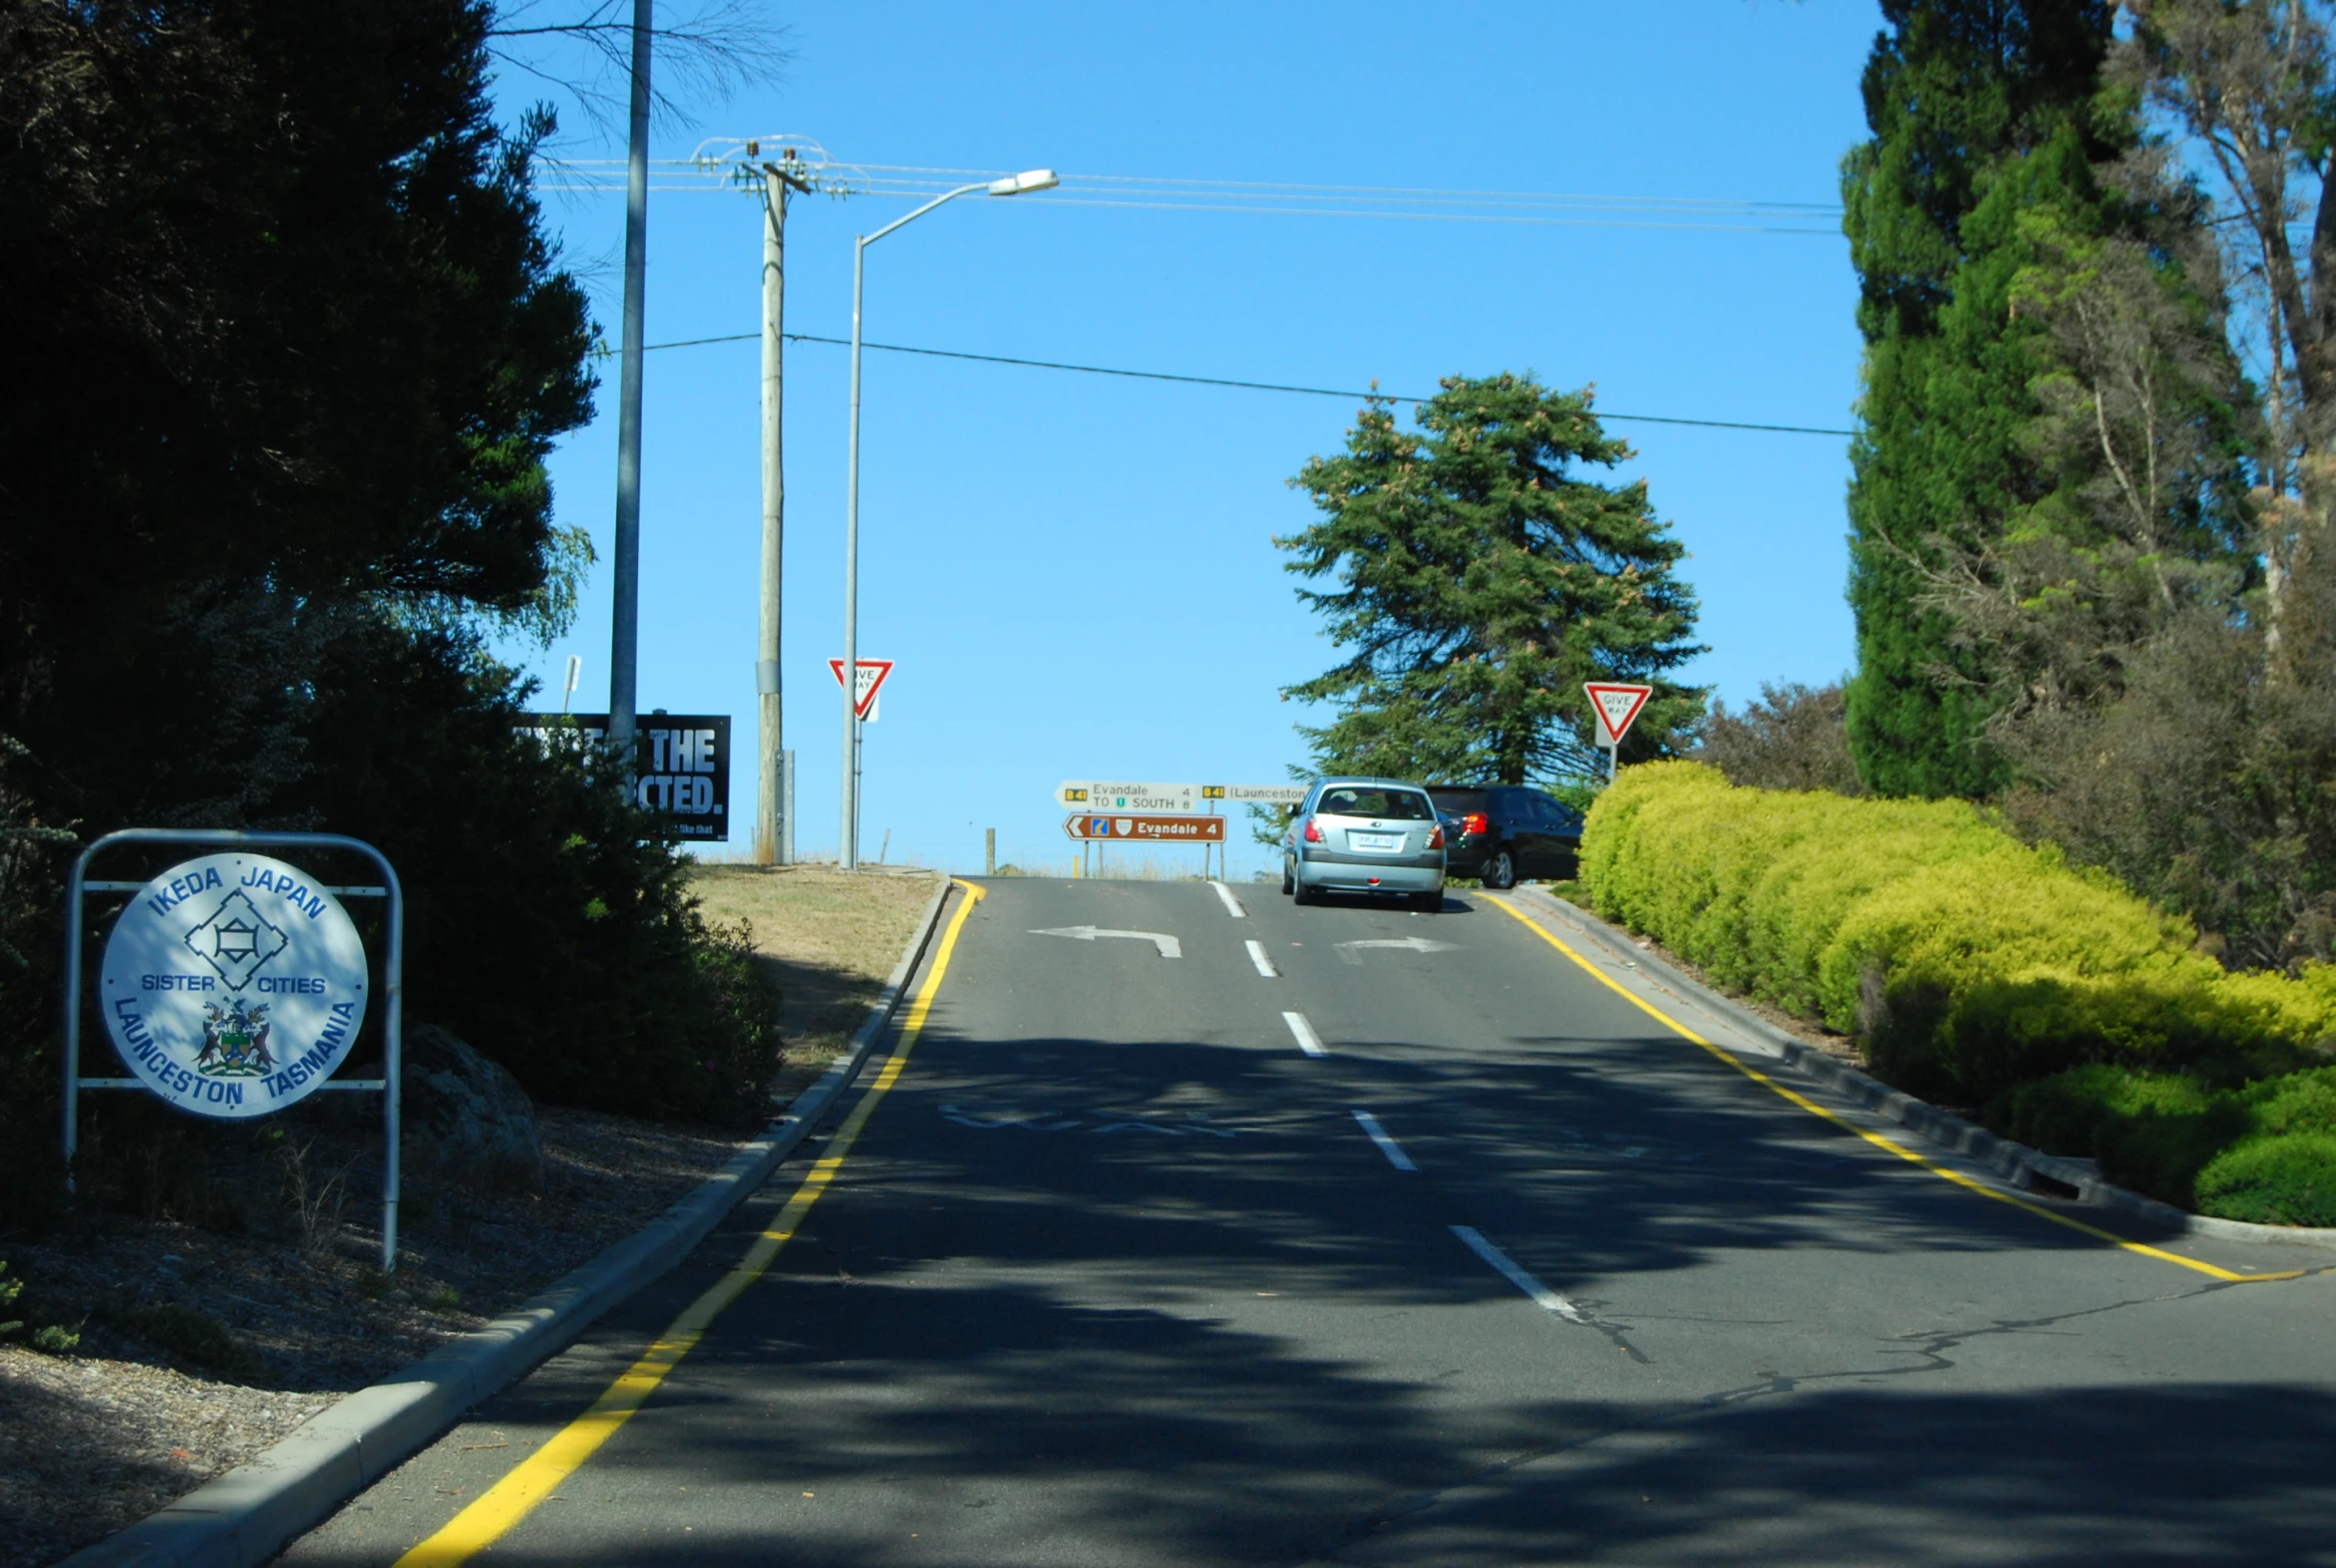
1328,780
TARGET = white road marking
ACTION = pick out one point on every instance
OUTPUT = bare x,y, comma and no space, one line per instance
1543,1296
1308,1041
1169,946
1264,964
1387,1145
1418,944
1232,905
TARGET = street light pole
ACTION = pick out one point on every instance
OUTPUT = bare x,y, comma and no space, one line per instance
625,621
1011,185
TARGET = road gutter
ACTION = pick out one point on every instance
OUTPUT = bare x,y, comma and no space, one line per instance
2015,1162
245,1517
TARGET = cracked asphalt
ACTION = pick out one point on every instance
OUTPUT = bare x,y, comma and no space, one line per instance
1116,1275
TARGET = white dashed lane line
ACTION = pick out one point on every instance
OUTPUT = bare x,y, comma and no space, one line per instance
1387,1145
1543,1296
1232,905
1264,964
1308,1041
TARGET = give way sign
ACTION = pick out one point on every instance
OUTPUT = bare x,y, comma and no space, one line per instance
1615,705
871,674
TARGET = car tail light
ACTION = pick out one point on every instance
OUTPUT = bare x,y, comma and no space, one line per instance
1436,837
1313,833
1474,822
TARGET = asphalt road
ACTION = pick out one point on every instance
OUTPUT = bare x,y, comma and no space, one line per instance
1118,1273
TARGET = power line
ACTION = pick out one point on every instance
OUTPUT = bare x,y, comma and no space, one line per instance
1280,198
1213,381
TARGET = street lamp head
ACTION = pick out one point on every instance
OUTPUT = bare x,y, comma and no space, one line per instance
1029,179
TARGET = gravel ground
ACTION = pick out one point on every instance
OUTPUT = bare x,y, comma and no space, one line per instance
98,1439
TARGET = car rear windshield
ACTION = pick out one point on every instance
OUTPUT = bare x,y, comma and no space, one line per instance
1459,803
1390,805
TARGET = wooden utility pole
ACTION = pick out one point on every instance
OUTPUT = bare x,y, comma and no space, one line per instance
774,825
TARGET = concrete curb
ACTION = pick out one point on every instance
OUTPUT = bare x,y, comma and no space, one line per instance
245,1517
2020,1165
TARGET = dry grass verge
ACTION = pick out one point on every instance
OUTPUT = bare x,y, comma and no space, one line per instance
831,938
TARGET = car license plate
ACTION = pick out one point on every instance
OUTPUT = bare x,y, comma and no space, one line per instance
1376,841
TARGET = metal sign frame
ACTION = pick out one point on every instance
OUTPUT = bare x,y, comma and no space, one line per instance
79,885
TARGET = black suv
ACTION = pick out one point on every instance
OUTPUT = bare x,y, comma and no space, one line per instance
1499,832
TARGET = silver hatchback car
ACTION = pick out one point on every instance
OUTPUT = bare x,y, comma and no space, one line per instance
1365,835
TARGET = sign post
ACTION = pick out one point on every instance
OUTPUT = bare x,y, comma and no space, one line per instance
1615,705
868,680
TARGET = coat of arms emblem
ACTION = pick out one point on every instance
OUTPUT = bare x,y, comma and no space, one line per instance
234,1040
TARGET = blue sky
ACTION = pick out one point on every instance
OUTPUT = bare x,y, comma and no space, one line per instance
1074,573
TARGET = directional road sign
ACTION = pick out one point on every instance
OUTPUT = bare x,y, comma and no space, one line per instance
1146,829
871,674
1616,703
1106,794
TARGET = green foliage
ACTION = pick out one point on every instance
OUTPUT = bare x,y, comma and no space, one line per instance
542,927
289,347
1480,580
1981,111
2209,783
2263,1151
1968,963
51,1338
2273,1181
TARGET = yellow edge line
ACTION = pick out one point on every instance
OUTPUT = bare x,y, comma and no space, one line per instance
1943,1172
501,1506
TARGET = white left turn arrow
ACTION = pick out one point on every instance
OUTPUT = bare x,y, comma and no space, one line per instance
1169,946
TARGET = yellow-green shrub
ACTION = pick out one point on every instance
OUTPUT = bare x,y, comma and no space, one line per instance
1967,961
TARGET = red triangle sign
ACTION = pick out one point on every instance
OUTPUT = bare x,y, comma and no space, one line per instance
1615,705
872,680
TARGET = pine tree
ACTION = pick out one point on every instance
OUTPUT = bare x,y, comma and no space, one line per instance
1481,579
1981,110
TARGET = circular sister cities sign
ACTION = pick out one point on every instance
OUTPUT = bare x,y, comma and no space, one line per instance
233,984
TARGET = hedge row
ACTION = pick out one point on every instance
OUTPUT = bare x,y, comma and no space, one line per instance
1968,964
2263,1151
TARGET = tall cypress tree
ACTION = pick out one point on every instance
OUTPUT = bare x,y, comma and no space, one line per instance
1979,109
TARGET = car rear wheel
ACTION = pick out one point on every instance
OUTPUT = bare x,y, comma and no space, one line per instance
1301,893
1500,868
1428,903
1289,883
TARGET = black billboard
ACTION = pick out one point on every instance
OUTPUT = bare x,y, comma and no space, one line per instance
684,762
